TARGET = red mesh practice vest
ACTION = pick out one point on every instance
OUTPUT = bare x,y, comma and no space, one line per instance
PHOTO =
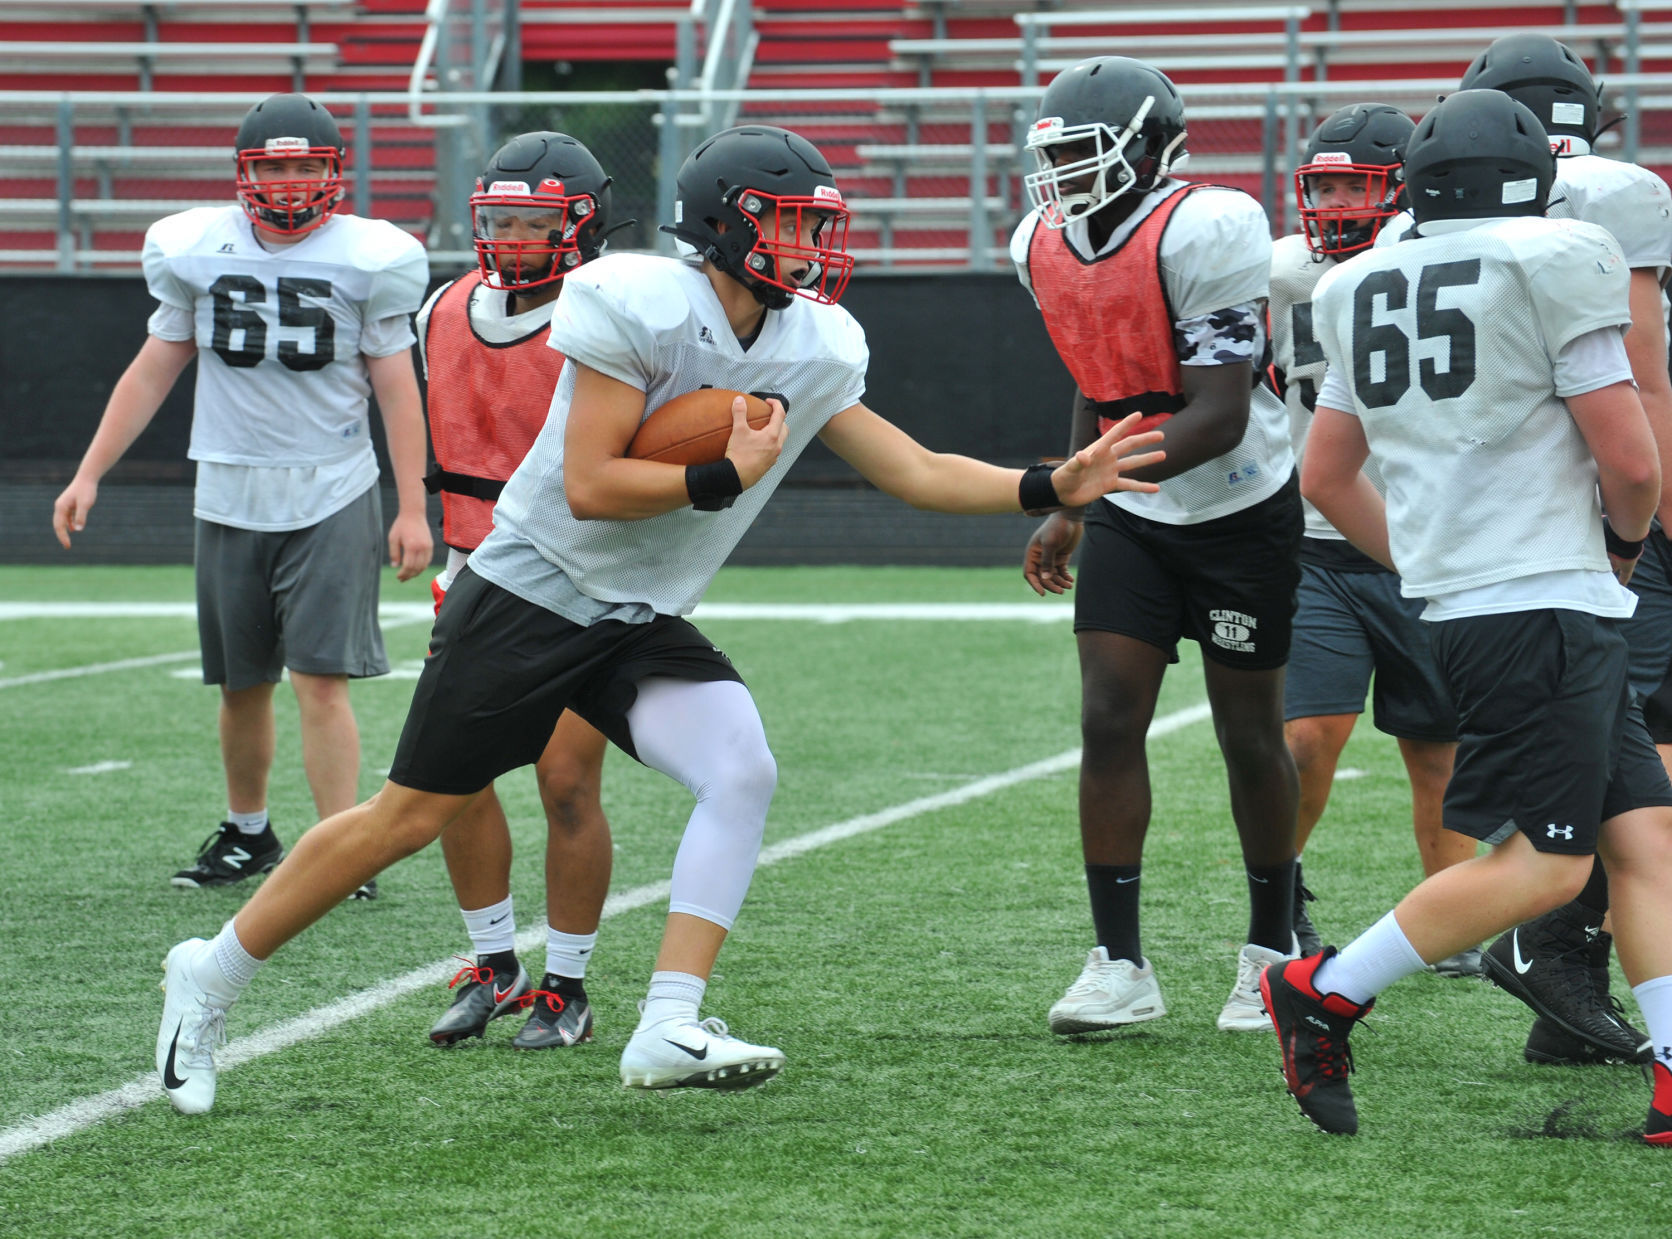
487,403
1110,320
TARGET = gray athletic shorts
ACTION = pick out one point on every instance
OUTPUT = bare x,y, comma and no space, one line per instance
1353,629
305,599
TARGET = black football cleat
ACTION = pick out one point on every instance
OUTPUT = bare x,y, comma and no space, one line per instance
366,890
1546,963
485,996
1305,932
229,856
560,1016
1312,1033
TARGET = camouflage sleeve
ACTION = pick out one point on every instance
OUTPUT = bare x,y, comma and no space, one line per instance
1224,337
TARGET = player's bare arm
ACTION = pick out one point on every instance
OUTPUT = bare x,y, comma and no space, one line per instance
1212,422
1646,349
895,463
396,386
1628,471
134,401
1045,562
603,483
1332,478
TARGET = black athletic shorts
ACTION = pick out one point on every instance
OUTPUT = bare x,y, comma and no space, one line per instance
1227,584
1550,740
1648,635
502,669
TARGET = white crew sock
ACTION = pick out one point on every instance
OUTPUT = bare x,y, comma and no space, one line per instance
492,929
1369,963
1654,998
223,967
567,954
673,996
248,823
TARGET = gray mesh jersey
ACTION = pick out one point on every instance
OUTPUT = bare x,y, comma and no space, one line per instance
280,381
1448,344
656,324
1630,202
1298,358
1214,255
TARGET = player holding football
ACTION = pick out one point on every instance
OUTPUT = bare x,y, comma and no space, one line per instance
541,208
1352,623
295,313
1154,292
1558,964
1434,346
574,600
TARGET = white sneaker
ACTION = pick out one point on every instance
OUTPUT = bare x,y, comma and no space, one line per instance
193,1025
691,1053
1245,1010
1109,993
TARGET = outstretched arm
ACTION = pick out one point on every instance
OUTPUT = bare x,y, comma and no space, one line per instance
134,401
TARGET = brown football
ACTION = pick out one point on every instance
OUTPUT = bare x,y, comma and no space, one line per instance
693,429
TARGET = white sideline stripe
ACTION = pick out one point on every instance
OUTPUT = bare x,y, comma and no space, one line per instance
413,612
88,1111
100,767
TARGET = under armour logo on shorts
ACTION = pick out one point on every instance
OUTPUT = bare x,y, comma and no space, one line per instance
1558,832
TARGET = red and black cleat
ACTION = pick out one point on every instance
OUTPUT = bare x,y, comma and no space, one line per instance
1658,1130
1312,1033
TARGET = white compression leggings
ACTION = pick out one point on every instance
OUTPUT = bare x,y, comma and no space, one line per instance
709,737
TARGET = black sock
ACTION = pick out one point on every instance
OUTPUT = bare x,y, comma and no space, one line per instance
569,987
1271,906
503,963
1114,909
1594,898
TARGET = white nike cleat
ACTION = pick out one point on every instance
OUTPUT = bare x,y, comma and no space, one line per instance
691,1053
1109,994
193,1025
1245,1010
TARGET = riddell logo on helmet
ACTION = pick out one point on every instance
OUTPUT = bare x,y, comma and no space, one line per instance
1332,157
827,193
285,146
1047,122
508,187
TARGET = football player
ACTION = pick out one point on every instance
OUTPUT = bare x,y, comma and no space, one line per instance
1558,964
1352,624
541,208
575,600
1480,355
295,313
1154,293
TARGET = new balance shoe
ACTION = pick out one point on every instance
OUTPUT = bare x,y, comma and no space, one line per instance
1658,1130
489,993
692,1053
1546,964
560,1016
1245,1009
1463,964
193,1025
1312,1031
1109,993
1305,932
229,855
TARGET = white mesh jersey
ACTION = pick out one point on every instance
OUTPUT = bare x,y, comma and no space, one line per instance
1630,202
1298,357
656,324
280,333
1214,255
1448,345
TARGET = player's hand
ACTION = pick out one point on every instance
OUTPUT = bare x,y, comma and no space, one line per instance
752,452
70,509
1098,468
1045,563
410,545
1623,568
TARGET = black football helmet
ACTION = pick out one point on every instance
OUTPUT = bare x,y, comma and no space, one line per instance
1362,140
289,127
1550,79
1477,155
541,208
1131,118
785,224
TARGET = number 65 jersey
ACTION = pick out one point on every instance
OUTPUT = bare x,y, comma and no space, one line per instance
280,332
1449,346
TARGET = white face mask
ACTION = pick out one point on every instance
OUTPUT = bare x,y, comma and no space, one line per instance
1112,175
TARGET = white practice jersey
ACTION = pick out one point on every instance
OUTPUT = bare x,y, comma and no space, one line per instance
488,318
656,324
1448,345
1214,256
281,383
1631,203
1299,359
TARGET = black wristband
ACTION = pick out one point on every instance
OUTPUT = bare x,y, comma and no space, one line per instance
714,486
1036,492
1620,548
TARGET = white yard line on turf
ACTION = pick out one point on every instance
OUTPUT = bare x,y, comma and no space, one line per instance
89,1111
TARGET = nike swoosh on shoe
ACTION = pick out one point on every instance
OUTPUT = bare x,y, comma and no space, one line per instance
1521,964
696,1054
170,1080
